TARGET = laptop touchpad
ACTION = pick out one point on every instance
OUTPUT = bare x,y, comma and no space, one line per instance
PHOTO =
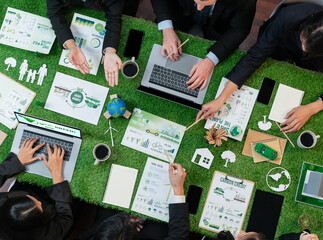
183,65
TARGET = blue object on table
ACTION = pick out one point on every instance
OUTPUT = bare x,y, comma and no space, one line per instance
116,107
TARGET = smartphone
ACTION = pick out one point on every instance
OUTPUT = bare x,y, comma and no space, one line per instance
133,44
266,91
193,198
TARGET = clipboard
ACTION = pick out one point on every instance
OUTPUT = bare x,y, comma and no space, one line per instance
310,191
226,204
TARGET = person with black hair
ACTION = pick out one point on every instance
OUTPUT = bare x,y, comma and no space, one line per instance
26,213
304,235
294,33
227,235
113,11
110,225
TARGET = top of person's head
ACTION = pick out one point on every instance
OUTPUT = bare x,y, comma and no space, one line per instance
312,33
117,227
19,215
226,235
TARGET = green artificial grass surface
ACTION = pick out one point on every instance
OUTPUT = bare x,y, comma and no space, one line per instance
89,181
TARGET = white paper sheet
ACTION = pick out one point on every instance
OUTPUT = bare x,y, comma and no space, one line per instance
155,191
88,35
76,98
151,134
234,115
27,31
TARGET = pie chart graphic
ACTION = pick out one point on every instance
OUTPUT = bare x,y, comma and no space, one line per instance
95,42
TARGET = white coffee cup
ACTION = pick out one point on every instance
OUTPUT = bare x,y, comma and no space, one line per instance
103,155
311,134
128,64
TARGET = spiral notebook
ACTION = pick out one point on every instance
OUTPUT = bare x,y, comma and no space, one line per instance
120,186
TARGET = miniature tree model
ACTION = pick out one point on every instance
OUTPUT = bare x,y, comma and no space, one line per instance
228,156
11,62
215,137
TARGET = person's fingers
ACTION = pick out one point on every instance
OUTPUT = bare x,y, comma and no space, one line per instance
110,79
176,52
288,121
164,52
199,115
208,114
45,159
119,62
24,143
38,146
113,76
35,159
58,151
180,49
290,125
87,66
55,149
295,128
196,83
290,113
106,76
116,77
49,151
29,144
194,68
79,68
193,79
62,153
204,84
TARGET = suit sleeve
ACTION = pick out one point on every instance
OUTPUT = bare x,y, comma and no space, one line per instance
10,167
56,15
239,29
161,9
113,13
178,222
60,193
270,37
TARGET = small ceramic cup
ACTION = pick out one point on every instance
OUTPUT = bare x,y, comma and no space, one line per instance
307,136
130,68
101,153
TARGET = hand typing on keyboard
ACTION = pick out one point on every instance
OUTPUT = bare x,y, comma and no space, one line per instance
27,152
55,162
200,73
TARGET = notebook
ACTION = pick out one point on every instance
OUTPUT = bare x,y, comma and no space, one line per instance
286,99
120,186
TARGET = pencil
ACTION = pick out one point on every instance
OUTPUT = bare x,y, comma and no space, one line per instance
177,48
196,122
285,135
170,162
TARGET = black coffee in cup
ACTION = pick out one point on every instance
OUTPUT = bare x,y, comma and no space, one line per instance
130,69
307,139
101,152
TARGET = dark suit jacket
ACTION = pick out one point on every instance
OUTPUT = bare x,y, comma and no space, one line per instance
291,236
279,38
229,24
178,226
59,193
112,9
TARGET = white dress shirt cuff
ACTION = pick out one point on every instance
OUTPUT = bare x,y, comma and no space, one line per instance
213,58
179,199
165,24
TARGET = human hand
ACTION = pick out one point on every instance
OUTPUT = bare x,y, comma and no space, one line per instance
177,177
26,152
138,221
170,44
200,73
309,237
296,118
112,64
209,109
55,162
77,58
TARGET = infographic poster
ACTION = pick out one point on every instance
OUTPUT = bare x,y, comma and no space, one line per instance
27,31
14,97
154,191
76,98
234,115
151,134
88,35
226,204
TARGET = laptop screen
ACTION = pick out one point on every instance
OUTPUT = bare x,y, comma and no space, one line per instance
41,123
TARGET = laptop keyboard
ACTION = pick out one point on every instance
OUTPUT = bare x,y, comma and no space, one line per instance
171,79
51,141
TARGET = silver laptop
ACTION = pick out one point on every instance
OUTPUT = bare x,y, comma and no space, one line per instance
63,136
165,78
